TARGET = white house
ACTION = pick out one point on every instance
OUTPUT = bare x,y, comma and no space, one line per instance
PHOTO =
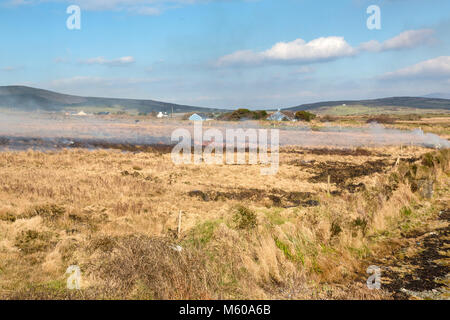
279,116
162,115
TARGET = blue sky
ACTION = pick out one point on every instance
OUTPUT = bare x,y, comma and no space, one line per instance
228,53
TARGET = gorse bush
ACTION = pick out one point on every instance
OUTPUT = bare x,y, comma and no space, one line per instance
245,114
305,116
244,218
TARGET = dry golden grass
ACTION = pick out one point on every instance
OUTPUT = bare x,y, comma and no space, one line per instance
243,235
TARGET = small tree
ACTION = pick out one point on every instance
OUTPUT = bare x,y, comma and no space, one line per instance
260,114
304,115
240,114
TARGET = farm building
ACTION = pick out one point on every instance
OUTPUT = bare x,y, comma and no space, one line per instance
279,116
162,115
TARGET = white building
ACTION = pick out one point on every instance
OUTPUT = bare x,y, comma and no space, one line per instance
279,116
162,115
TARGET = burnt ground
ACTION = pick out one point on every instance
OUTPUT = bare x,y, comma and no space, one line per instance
358,152
129,147
43,144
24,143
17,142
425,273
342,172
278,197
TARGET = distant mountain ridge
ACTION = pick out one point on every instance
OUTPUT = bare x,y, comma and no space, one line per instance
30,99
410,102
438,95
25,98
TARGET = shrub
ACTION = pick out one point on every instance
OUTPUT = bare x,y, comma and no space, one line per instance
244,218
241,114
427,160
258,115
361,223
244,114
305,116
46,211
32,241
335,229
141,267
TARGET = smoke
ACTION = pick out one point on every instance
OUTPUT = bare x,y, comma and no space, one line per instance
21,131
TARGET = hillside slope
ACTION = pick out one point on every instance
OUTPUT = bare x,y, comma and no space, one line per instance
29,99
409,102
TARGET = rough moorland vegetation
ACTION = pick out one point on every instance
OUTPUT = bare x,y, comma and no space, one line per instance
241,235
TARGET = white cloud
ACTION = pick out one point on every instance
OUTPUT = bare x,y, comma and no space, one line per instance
432,69
123,61
323,49
405,40
297,51
241,57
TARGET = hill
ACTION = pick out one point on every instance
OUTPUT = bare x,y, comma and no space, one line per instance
438,95
30,99
394,104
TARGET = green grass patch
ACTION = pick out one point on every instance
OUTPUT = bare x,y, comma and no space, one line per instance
406,211
285,248
202,234
274,217
362,252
